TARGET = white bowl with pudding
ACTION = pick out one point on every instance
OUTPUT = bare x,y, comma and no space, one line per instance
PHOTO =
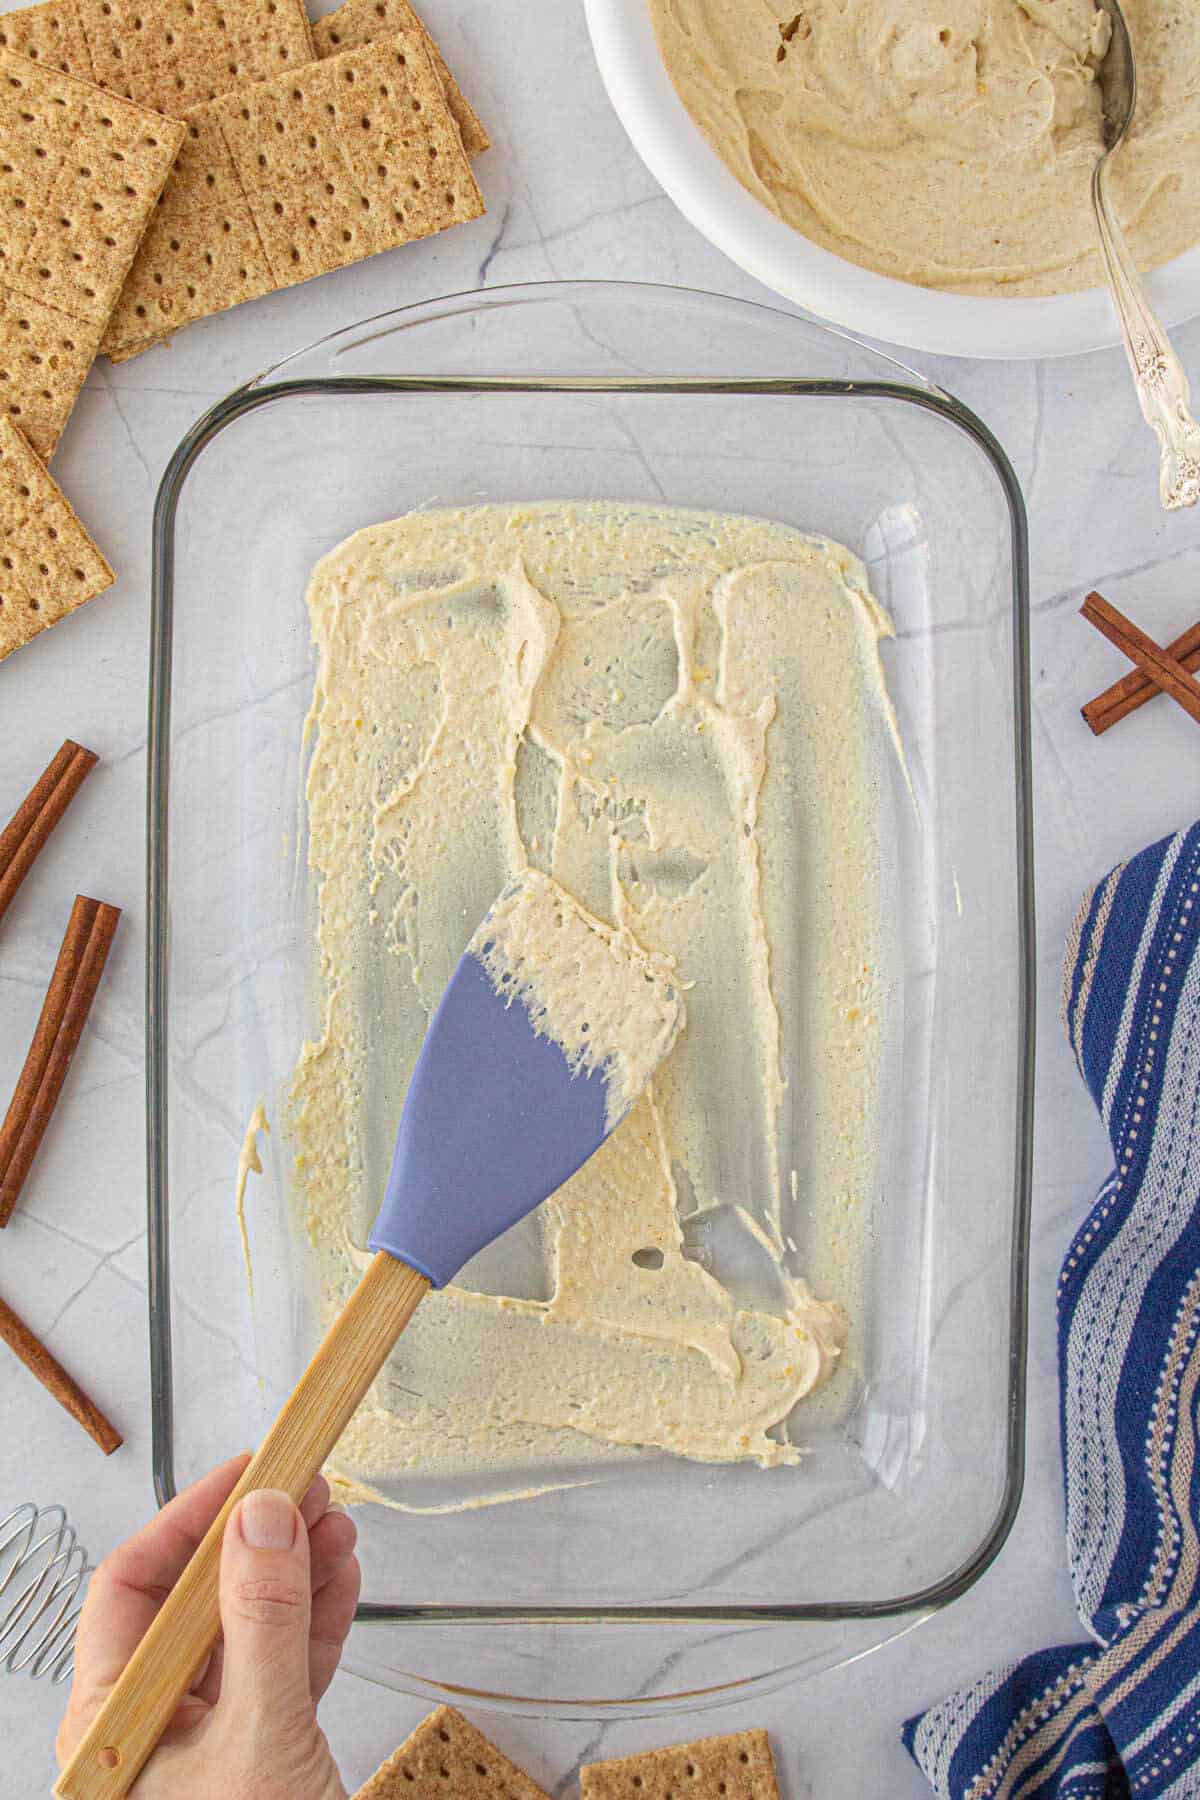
929,318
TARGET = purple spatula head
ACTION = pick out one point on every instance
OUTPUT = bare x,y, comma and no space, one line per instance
549,1030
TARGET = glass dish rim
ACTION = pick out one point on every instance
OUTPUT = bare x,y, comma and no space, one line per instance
271,385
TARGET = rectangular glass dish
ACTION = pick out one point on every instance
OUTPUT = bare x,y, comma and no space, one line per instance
912,1470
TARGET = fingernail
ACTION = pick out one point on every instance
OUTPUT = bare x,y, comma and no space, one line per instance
268,1520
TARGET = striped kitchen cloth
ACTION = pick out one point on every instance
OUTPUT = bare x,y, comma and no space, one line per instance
1118,1716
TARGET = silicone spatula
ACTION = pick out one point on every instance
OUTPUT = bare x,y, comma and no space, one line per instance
550,1027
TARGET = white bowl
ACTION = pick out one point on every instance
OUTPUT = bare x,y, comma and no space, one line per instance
680,158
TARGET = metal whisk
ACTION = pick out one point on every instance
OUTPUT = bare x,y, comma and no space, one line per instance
43,1568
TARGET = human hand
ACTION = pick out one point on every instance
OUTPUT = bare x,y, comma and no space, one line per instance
247,1730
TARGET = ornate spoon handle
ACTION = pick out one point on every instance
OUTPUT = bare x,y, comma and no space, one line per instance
1162,386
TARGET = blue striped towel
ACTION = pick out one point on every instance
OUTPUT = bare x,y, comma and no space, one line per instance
1119,1716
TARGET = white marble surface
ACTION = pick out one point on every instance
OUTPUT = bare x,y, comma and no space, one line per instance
566,197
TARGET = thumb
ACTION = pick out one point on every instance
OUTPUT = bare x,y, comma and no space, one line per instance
266,1606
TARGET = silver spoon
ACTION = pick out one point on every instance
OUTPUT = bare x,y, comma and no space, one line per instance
1162,386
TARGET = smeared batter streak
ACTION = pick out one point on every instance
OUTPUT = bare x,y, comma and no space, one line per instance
680,717
249,1163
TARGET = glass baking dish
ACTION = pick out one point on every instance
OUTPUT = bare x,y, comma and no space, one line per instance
658,1581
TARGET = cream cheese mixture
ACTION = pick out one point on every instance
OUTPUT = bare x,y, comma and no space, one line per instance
610,1008
946,142
680,717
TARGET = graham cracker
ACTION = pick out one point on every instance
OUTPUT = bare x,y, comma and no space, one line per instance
295,177
49,565
357,22
739,1767
164,54
80,174
447,1759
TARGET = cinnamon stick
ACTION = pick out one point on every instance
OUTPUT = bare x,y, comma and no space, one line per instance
64,1014
1151,658
54,1378
24,837
1133,690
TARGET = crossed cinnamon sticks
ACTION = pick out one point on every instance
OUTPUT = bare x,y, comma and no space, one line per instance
68,1001
1157,669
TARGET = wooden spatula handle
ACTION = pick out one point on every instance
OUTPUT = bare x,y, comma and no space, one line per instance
158,1675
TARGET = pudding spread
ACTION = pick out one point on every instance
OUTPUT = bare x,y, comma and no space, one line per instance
680,717
948,143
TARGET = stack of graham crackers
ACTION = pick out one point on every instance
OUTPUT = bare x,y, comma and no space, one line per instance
447,1759
161,160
